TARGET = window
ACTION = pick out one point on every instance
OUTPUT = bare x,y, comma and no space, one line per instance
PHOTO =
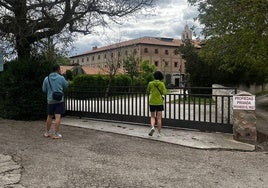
156,51
126,52
156,63
93,58
104,56
82,60
175,64
98,56
166,64
119,54
112,54
166,52
87,58
145,50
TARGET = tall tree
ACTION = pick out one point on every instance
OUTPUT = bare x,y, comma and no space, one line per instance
132,65
237,35
147,71
24,22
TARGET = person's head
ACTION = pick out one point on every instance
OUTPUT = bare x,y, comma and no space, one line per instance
158,75
56,68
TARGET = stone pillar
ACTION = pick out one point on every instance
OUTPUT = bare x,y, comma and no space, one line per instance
244,118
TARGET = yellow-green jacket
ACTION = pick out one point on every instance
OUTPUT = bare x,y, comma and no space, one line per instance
155,97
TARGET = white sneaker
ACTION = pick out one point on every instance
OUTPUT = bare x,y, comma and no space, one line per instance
56,135
151,131
158,134
46,134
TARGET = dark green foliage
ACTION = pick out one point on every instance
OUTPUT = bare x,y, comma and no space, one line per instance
69,75
121,80
87,86
21,89
120,83
204,74
147,71
236,38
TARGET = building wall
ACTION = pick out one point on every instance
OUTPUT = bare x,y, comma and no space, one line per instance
163,57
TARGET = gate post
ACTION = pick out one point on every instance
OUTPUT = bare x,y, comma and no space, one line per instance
244,118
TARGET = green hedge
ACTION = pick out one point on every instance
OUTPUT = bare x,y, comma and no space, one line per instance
21,96
88,86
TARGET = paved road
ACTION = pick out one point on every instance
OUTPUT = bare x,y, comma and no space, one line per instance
89,158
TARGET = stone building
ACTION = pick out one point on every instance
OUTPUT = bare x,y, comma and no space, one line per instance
158,51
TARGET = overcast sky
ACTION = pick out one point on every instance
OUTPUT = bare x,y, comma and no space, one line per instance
167,19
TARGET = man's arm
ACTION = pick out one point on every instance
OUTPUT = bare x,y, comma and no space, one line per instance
44,86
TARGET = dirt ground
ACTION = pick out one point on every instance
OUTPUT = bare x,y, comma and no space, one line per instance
88,158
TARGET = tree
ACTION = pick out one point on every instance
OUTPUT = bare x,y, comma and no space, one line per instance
199,71
202,73
131,65
236,35
147,71
113,62
25,22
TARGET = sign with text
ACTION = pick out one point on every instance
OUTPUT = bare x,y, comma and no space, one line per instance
244,102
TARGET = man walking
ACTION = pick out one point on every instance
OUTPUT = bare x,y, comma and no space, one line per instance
54,82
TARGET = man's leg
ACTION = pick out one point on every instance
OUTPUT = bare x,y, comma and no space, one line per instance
49,122
152,124
48,125
57,122
159,121
152,119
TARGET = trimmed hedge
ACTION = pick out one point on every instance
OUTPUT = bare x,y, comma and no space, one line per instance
21,96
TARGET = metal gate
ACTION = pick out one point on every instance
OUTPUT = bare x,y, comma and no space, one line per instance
188,108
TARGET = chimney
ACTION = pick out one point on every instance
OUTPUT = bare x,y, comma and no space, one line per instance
94,48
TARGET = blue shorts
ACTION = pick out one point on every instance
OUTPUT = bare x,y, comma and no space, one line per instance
156,108
56,108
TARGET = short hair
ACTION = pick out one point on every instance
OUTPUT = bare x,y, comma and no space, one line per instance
56,68
158,75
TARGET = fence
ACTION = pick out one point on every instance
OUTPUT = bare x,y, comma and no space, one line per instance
190,108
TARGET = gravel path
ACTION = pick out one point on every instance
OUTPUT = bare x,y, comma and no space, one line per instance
88,158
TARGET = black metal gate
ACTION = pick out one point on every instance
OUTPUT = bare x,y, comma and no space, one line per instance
189,108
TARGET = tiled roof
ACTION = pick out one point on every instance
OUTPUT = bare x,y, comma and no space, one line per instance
158,41
65,68
90,70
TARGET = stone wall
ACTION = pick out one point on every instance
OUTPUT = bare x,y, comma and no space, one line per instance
244,121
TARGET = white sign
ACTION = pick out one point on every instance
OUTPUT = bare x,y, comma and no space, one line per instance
244,102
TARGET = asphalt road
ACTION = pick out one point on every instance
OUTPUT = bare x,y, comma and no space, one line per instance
88,158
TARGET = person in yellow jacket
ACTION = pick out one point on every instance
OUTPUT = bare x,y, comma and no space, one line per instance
157,90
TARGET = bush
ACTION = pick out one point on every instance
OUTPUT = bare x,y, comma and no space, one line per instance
21,89
86,86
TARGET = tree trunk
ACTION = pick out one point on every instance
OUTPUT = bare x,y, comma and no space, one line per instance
23,49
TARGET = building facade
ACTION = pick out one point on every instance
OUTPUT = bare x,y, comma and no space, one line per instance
158,51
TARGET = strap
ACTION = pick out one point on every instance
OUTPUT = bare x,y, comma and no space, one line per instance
49,83
158,89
